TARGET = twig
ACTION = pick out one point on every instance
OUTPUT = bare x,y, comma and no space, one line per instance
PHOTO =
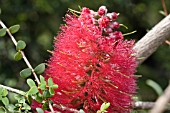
164,7
51,108
13,90
24,57
63,108
162,101
152,40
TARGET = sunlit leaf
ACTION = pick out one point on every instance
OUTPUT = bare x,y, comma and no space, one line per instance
33,90
42,80
26,106
31,83
39,110
42,86
10,107
54,86
4,92
5,101
51,90
50,82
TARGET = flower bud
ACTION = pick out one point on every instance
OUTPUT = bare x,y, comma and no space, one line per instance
102,10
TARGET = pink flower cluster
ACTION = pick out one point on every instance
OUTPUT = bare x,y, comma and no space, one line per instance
92,64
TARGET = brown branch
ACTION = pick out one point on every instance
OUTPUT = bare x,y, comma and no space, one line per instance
152,40
162,101
146,46
164,7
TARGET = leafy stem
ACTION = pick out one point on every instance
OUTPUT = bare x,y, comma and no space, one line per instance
23,55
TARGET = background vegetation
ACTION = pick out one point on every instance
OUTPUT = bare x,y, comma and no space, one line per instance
40,21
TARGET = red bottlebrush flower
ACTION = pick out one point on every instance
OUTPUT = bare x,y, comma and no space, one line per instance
90,68
103,21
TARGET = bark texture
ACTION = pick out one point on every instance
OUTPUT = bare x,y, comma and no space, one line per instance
152,40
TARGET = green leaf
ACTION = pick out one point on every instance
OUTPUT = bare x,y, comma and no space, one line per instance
51,90
45,106
2,109
10,107
1,89
42,86
5,101
81,111
39,98
26,107
54,86
42,80
4,92
50,82
30,82
29,99
33,90
13,29
2,32
39,110
104,106
26,73
21,100
40,68
46,94
20,45
155,86
18,56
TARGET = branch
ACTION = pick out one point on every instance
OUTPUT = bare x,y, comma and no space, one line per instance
152,40
23,55
63,108
13,90
162,101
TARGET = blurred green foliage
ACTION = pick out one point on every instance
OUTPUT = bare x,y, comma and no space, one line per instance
40,21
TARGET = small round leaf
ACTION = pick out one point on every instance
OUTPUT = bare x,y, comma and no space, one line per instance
20,45
51,90
5,101
42,86
2,32
50,82
42,80
45,106
18,56
13,29
54,86
4,92
39,110
46,94
26,107
33,90
2,109
38,98
31,83
26,73
40,68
